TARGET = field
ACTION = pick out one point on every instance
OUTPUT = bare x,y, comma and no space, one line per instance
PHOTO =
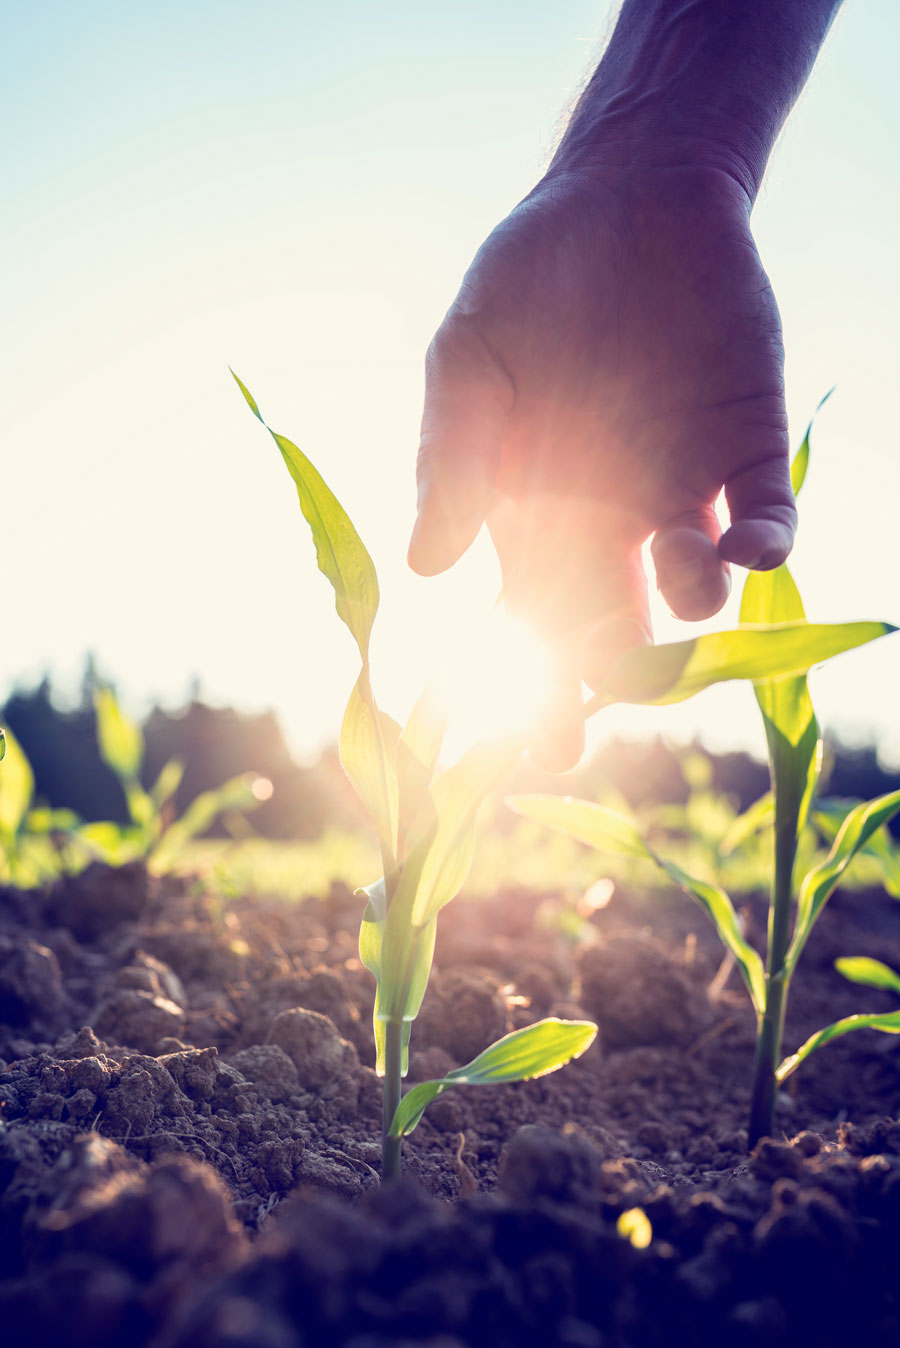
191,1120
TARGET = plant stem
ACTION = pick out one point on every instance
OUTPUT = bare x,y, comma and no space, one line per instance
393,1059
771,1024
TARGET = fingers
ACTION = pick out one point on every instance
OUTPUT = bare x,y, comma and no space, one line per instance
763,516
467,400
692,578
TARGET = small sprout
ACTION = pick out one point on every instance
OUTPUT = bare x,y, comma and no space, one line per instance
634,1226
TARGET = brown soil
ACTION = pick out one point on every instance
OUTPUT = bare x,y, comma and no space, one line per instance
189,1136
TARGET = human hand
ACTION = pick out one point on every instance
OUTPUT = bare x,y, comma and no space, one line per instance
612,361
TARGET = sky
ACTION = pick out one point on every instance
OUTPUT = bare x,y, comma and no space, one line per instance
295,190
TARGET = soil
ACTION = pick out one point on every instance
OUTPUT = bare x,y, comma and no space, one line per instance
189,1136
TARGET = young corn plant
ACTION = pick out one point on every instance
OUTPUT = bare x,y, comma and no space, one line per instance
425,821
771,612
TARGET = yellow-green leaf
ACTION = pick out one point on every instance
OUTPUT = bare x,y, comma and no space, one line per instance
801,458
340,553
533,1052
888,1023
859,826
119,738
868,972
614,834
16,789
368,749
657,675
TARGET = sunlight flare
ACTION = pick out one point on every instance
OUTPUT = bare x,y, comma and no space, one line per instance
498,682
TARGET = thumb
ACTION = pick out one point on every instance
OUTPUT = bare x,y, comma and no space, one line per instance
467,400
763,515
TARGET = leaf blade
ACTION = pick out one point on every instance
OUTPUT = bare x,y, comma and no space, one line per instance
819,883
888,1022
661,675
523,1055
868,972
340,553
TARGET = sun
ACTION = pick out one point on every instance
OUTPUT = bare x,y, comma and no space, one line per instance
496,682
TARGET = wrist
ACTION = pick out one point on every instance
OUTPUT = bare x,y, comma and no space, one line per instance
696,83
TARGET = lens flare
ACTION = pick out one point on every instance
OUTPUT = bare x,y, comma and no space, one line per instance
498,682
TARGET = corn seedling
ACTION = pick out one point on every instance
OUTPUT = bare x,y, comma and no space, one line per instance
425,820
771,615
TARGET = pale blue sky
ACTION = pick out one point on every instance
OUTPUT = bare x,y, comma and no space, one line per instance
296,190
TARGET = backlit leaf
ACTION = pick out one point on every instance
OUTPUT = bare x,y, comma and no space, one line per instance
368,749
16,788
792,732
830,814
167,783
417,753
801,458
438,862
235,794
616,835
718,906
657,675
870,973
859,826
608,831
119,738
520,1056
340,553
758,816
889,1023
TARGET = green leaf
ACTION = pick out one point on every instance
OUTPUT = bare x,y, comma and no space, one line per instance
614,834
758,816
2,744
45,820
792,732
113,843
235,794
118,737
801,458
600,827
16,789
340,553
718,906
371,937
520,1056
454,799
368,749
167,783
417,753
442,843
888,1023
829,815
870,973
859,826
657,675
